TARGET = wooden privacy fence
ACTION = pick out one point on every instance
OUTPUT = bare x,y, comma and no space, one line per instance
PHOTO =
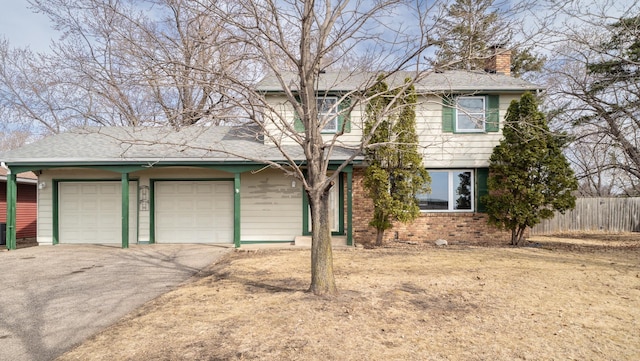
595,214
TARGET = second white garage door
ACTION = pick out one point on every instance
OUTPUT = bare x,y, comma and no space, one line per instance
193,211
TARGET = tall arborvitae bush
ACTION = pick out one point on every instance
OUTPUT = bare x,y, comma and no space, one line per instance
395,173
529,177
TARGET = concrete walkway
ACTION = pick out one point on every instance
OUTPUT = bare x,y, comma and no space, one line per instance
54,297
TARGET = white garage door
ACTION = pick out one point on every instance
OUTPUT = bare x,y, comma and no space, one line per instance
90,212
194,212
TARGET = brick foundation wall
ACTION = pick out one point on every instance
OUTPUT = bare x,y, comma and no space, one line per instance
456,228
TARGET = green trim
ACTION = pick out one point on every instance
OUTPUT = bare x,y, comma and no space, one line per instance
482,176
22,169
125,209
12,198
191,179
305,210
144,242
120,166
492,114
344,118
236,210
138,213
236,202
56,220
305,213
234,168
448,114
297,124
349,172
152,212
124,194
135,166
341,204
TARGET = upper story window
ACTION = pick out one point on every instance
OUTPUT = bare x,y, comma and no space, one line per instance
333,110
470,114
328,111
451,191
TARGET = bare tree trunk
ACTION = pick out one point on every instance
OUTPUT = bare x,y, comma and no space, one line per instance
322,279
379,237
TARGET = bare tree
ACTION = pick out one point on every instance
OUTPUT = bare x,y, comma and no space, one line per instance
182,62
297,41
31,92
12,135
124,63
593,87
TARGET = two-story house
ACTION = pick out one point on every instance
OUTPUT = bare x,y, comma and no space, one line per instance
208,184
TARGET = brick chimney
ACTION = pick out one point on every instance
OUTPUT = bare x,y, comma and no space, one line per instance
499,62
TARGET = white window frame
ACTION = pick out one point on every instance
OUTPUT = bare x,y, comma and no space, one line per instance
480,116
331,115
451,191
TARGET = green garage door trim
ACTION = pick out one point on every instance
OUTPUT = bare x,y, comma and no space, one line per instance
207,227
93,214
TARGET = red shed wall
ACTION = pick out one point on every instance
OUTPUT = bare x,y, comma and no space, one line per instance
26,209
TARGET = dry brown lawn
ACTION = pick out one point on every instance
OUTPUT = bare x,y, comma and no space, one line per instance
564,298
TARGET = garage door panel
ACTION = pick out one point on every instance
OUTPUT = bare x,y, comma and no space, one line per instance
185,188
204,205
90,212
89,189
194,211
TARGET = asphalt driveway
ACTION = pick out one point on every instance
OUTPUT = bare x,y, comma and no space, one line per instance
55,297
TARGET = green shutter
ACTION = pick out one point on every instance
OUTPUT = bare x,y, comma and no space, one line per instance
298,126
345,117
493,114
482,175
448,114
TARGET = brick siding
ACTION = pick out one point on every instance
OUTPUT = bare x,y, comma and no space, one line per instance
456,228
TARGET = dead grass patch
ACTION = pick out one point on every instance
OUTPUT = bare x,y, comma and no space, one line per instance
559,299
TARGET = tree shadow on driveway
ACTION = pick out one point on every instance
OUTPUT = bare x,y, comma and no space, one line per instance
53,298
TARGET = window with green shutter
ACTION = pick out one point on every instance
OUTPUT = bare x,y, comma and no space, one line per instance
338,116
470,114
344,116
448,114
493,114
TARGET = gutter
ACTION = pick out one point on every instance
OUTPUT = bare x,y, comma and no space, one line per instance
18,179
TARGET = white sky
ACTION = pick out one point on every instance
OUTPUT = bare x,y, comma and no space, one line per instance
24,28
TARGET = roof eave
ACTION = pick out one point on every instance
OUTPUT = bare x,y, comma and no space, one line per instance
34,164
